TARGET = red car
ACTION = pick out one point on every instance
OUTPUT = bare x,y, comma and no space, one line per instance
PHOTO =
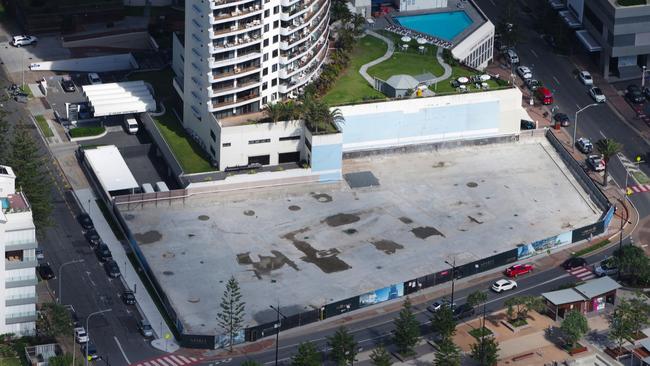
518,269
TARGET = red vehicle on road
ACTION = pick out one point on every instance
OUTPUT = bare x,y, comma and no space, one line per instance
518,269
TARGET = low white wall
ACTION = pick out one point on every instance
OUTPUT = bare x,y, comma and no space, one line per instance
89,64
484,35
409,5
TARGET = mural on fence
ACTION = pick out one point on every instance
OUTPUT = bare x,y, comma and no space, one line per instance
387,293
608,216
539,246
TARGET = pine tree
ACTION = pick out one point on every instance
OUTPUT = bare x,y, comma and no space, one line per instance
344,347
307,355
407,330
4,134
27,162
380,357
485,351
231,316
447,353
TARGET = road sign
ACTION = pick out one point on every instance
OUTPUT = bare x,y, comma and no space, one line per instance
168,336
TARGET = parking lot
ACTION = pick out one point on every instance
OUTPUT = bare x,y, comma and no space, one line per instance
17,59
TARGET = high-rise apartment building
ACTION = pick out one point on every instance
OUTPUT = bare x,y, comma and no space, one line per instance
18,270
238,55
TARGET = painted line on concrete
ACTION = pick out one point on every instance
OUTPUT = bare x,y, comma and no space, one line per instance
556,80
534,54
121,350
602,134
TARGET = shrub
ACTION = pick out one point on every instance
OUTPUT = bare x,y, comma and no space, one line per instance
86,131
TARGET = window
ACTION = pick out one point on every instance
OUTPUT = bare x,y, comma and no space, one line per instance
288,138
265,85
261,141
213,136
275,54
266,57
266,42
266,28
225,144
267,13
265,71
274,82
264,100
212,151
260,159
275,39
276,10
274,68
308,144
276,24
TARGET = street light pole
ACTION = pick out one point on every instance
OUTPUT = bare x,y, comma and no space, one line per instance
643,77
453,279
59,297
277,334
575,124
88,329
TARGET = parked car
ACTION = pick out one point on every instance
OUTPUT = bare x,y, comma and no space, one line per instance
90,349
527,125
511,57
80,335
45,271
23,40
503,285
634,95
574,262
73,315
544,95
597,95
68,85
463,311
532,84
93,238
111,268
606,267
128,297
85,221
524,72
646,92
103,253
562,118
145,328
437,305
518,270
585,78
93,78
131,125
584,145
596,163
39,254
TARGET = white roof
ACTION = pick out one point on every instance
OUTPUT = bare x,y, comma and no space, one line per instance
119,98
110,168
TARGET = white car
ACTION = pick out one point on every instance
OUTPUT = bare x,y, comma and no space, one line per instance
504,285
585,78
94,79
80,335
23,40
524,72
596,163
597,95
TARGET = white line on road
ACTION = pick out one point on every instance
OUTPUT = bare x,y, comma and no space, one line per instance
535,54
90,279
556,80
493,4
578,105
602,134
121,350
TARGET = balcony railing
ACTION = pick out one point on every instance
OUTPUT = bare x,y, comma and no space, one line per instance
224,2
233,102
235,71
20,264
237,12
238,42
235,87
20,281
23,317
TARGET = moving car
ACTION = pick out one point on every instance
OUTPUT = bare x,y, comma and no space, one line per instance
128,297
633,94
68,85
112,270
437,305
463,311
562,118
584,145
524,72
574,262
80,335
103,253
606,267
597,95
518,269
596,163
527,125
503,285
23,40
85,221
532,84
145,328
94,79
90,349
45,271
585,78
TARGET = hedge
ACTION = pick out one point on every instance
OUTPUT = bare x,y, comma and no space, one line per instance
86,131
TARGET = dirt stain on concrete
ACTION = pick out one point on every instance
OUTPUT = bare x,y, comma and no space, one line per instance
249,212
386,246
440,164
326,260
341,219
322,197
168,273
406,220
472,184
149,237
474,220
266,263
244,259
204,217
294,208
424,232
350,231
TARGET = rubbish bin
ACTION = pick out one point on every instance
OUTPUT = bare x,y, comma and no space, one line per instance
557,125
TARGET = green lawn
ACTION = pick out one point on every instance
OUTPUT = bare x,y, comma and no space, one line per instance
10,361
444,87
351,87
87,131
161,81
190,155
43,126
409,62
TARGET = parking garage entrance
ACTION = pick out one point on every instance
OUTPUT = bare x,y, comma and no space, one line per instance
289,157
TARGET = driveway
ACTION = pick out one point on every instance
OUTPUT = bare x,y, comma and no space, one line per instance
17,59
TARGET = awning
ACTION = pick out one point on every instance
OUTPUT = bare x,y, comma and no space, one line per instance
588,41
561,297
110,168
119,98
595,288
570,19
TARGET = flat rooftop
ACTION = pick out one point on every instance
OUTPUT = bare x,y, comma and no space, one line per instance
308,245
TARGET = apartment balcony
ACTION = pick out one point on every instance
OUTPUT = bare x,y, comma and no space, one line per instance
215,92
20,264
219,4
21,281
236,29
238,42
234,103
20,300
235,73
305,76
296,12
304,61
236,14
289,2
305,49
24,317
299,37
301,23
20,245
234,60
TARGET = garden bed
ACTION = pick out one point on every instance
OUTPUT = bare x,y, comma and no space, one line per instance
515,325
79,132
480,332
43,126
578,348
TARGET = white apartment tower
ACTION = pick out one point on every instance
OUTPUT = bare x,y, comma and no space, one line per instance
18,270
238,55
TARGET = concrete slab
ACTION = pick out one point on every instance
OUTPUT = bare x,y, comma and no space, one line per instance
313,244
17,59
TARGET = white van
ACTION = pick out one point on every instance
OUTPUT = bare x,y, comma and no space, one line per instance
131,125
161,187
512,57
147,188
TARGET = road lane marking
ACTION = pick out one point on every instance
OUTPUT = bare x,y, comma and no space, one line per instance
90,279
121,350
602,134
556,80
534,54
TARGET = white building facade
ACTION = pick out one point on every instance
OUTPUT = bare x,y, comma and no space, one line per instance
18,270
238,55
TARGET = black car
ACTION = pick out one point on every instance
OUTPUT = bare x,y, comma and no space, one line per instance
85,221
93,238
111,268
574,262
527,125
562,118
90,349
463,311
45,271
532,84
68,85
128,297
103,253
634,94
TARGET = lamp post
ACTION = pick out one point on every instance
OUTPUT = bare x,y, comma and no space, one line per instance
277,325
637,161
88,329
575,124
643,76
59,297
453,279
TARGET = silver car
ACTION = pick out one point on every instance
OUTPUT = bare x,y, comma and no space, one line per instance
23,40
606,267
597,95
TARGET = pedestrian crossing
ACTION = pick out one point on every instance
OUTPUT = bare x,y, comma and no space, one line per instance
639,188
169,360
582,273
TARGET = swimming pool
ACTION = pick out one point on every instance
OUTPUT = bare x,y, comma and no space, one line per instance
442,25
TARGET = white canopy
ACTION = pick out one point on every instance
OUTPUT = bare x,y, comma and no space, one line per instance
119,98
110,168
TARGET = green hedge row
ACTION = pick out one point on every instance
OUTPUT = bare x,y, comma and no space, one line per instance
86,131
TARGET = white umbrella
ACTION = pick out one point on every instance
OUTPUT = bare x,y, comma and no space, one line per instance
485,77
406,39
422,41
463,80
405,46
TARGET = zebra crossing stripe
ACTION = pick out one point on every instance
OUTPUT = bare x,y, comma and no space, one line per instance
154,363
177,360
165,362
185,359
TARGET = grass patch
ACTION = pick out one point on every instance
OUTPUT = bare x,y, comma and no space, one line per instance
591,248
43,126
109,218
25,89
518,322
10,361
409,62
640,177
87,131
188,153
480,332
351,86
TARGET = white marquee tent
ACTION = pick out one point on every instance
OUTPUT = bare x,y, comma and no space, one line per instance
119,98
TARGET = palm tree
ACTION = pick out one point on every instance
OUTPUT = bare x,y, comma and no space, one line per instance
607,148
274,111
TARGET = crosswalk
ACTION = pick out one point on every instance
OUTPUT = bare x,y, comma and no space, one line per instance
169,360
582,273
640,188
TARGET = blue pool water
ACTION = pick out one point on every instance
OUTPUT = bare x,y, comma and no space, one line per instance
442,25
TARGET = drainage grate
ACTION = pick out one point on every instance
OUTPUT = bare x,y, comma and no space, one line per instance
361,179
